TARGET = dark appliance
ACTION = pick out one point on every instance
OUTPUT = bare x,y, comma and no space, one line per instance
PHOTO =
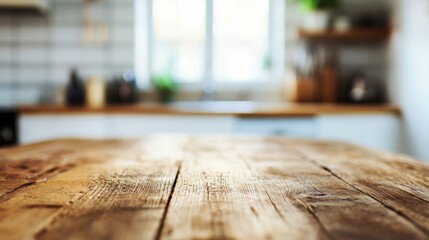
123,90
359,88
8,128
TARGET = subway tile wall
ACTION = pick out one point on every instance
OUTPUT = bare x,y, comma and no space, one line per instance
37,52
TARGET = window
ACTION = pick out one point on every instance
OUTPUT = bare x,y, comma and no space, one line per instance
221,41
179,38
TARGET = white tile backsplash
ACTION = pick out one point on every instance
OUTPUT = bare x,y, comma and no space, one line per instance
5,54
122,34
59,75
5,96
5,74
123,12
40,50
88,71
74,55
67,12
5,31
32,54
27,95
33,33
33,75
62,33
122,55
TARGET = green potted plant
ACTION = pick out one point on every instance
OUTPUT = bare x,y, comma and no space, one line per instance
317,13
165,87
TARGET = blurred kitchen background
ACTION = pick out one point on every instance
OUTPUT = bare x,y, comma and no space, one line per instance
346,70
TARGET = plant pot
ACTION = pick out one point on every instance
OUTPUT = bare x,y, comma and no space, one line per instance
316,20
165,96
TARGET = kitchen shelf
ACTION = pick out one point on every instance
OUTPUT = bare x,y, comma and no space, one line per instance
355,35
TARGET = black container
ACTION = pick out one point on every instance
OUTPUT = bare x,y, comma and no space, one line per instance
75,91
8,128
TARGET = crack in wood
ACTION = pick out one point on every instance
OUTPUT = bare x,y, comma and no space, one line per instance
41,177
8,195
265,189
50,206
414,195
207,186
164,215
307,207
311,211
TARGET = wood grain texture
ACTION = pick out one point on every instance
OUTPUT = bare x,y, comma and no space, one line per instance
400,184
210,187
256,110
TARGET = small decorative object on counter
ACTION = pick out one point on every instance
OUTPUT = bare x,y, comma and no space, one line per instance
318,13
95,92
359,88
315,77
123,90
306,78
75,90
342,24
165,87
328,75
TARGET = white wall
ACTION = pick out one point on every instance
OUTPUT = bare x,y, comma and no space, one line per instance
410,73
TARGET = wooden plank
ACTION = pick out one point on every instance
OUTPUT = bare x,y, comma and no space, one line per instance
128,192
341,210
217,197
42,195
23,223
398,183
27,165
165,187
126,202
21,167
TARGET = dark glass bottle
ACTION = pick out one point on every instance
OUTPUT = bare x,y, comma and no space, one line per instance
75,92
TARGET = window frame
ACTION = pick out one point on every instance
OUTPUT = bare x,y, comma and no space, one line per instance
144,42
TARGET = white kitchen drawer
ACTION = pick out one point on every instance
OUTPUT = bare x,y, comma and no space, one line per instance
125,125
377,131
33,128
292,127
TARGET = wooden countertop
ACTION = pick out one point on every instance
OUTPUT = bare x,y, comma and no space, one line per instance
183,187
240,109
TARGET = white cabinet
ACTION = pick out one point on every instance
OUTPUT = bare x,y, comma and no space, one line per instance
375,131
140,125
44,127
34,128
291,127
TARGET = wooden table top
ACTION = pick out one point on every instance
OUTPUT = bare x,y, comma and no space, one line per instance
206,187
